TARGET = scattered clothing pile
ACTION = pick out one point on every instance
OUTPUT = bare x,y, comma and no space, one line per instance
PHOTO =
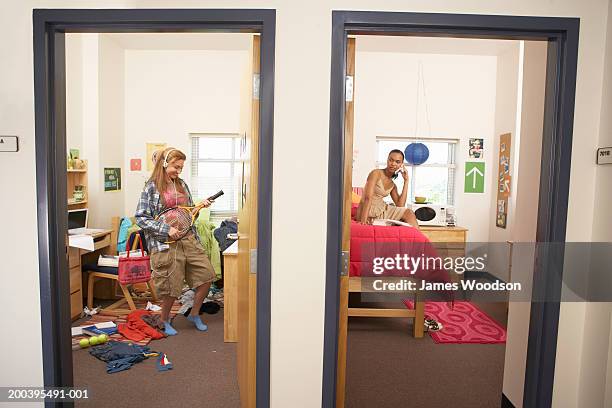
119,356
211,247
228,226
141,324
211,305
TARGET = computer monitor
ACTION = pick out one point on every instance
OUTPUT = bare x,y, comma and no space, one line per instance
77,219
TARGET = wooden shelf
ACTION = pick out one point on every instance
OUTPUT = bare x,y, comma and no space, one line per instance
77,170
77,202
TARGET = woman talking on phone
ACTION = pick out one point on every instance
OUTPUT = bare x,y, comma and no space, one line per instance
379,185
182,259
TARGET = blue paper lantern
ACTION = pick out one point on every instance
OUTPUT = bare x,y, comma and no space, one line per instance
416,153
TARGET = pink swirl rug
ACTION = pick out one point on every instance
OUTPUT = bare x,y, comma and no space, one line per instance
464,323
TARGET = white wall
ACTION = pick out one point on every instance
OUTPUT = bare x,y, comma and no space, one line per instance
106,205
604,192
302,74
146,95
509,80
595,387
171,93
94,116
460,91
527,151
74,92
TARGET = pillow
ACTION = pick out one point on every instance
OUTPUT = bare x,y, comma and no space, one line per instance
354,210
356,198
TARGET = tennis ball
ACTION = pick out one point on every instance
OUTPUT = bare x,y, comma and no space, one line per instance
103,338
93,341
84,343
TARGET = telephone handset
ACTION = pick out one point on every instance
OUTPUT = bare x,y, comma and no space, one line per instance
401,169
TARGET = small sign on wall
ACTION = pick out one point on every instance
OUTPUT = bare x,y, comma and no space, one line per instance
112,179
604,155
9,144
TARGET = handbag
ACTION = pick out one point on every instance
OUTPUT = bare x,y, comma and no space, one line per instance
135,269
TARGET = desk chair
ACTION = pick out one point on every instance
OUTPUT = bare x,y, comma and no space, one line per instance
109,272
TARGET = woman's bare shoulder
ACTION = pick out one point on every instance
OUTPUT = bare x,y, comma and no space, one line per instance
374,175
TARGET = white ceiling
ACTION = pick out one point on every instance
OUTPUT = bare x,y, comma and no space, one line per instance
433,45
183,41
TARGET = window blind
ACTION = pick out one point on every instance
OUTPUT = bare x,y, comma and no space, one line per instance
216,165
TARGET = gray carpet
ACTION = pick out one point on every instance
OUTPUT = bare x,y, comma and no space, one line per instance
387,367
204,373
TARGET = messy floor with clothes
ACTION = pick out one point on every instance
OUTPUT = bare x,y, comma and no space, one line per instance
125,356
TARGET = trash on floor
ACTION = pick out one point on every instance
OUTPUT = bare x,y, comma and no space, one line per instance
91,312
163,364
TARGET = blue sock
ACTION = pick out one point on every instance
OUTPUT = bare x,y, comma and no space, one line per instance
169,330
199,324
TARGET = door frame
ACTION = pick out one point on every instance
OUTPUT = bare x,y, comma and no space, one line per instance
562,37
50,26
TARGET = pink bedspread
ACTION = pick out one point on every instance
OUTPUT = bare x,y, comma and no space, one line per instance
372,241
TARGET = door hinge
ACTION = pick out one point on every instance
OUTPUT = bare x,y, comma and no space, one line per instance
345,263
253,260
256,83
349,88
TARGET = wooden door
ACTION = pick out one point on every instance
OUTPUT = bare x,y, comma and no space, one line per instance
247,244
346,219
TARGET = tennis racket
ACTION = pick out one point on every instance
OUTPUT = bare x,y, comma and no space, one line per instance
182,218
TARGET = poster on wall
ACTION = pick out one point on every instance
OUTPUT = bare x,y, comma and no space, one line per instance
151,147
112,179
135,164
503,180
74,154
474,177
476,150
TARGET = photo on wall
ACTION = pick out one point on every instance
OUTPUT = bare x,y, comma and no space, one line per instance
501,214
476,148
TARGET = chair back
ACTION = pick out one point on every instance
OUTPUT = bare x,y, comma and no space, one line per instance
131,242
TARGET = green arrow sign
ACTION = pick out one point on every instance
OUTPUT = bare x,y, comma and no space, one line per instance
474,177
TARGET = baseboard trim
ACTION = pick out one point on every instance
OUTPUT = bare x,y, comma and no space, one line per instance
505,402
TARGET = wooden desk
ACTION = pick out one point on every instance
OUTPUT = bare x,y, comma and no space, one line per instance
230,290
448,241
445,234
102,244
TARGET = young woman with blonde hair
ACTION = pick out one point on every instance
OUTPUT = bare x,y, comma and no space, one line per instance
182,260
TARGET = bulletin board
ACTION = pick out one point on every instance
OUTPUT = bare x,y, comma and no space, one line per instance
503,180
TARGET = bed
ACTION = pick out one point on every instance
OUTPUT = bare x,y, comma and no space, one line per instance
369,242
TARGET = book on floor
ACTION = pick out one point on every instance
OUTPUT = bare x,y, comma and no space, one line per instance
100,328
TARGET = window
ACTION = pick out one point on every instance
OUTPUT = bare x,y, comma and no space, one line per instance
435,179
216,165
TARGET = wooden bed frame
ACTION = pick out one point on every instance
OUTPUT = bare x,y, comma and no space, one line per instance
418,313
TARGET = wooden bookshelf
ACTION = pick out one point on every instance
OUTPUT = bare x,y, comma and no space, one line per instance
76,177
